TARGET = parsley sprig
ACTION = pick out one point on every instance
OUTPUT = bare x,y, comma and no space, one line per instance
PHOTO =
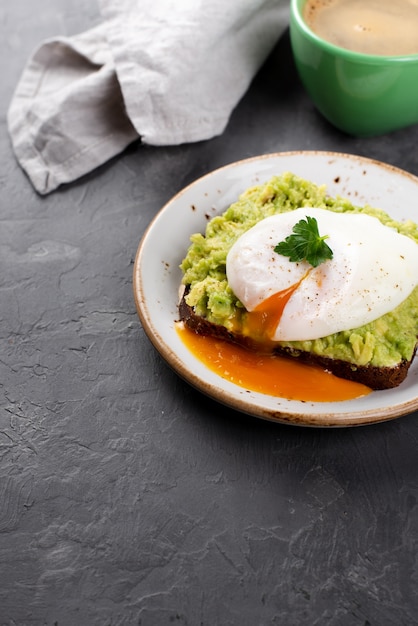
305,243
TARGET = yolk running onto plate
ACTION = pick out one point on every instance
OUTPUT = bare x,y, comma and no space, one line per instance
269,374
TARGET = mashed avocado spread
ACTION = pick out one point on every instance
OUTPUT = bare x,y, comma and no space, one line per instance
384,342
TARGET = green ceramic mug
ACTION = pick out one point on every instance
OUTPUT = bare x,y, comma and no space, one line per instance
361,94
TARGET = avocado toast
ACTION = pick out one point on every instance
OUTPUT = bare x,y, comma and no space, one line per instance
377,354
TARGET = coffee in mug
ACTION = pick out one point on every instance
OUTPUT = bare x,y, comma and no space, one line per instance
382,27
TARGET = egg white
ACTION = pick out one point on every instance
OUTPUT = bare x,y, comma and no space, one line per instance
373,269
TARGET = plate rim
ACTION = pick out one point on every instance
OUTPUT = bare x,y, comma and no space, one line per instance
281,415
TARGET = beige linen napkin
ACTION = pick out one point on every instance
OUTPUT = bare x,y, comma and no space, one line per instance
164,71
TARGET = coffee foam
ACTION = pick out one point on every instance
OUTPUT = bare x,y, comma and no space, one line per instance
381,27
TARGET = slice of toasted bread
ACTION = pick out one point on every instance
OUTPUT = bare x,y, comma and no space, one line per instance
369,375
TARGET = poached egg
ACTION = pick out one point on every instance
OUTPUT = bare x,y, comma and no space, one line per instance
374,268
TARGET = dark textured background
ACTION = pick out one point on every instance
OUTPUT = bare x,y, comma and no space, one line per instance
126,497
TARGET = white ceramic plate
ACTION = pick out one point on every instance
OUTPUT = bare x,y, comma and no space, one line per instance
157,275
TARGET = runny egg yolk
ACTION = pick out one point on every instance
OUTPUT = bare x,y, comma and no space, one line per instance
264,319
269,374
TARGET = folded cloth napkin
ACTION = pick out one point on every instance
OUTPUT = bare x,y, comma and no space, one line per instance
164,71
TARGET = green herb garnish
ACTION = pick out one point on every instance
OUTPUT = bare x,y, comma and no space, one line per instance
305,244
